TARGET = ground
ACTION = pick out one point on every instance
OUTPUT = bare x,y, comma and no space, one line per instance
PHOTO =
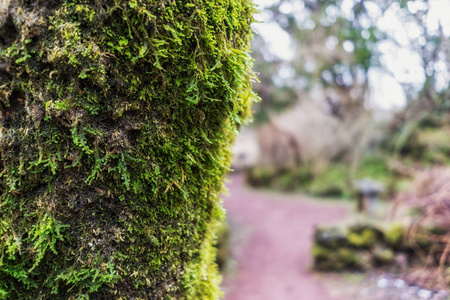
273,244
270,259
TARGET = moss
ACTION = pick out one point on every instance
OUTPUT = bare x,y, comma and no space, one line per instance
331,238
348,257
394,235
363,236
320,253
223,244
335,259
116,120
364,247
366,239
383,255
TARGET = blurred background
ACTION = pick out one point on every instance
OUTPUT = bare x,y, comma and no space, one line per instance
341,183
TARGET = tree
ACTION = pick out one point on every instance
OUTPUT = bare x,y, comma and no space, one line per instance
333,50
116,124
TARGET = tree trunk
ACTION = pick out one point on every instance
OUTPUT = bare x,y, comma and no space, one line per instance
116,120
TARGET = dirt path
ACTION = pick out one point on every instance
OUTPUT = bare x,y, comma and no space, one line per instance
274,258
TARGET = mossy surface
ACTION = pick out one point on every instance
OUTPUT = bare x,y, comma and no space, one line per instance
359,247
116,120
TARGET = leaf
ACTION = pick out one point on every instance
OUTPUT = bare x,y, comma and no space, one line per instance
83,74
143,50
22,59
123,41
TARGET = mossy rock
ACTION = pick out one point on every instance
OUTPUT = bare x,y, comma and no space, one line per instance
394,235
349,257
340,259
116,125
383,255
331,238
364,236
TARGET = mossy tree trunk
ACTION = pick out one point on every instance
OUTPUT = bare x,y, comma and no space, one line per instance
116,124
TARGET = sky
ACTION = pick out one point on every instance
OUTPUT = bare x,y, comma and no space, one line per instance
404,65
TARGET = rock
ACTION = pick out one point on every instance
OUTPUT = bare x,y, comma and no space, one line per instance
424,294
383,282
398,283
364,236
441,295
330,238
383,255
394,235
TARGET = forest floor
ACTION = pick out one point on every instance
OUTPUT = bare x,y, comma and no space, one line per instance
271,243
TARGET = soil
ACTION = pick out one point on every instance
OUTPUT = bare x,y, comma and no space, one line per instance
272,248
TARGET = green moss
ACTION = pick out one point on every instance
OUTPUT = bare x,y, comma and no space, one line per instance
223,244
116,121
394,235
331,238
383,255
335,259
364,238
348,257
320,253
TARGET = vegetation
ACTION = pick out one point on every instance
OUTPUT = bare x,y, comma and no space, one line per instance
359,247
418,239
326,101
334,182
116,124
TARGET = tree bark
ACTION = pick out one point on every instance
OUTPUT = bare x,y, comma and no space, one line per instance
116,120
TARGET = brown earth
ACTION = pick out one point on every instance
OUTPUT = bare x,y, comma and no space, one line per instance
273,259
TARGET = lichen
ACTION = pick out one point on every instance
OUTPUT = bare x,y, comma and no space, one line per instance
116,122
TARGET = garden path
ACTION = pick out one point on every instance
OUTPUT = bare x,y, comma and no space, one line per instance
272,251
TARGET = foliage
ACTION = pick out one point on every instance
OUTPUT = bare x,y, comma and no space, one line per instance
334,46
341,51
418,240
115,131
428,143
333,182
428,231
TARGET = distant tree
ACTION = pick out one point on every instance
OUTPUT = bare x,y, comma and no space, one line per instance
337,45
431,45
116,119
334,48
